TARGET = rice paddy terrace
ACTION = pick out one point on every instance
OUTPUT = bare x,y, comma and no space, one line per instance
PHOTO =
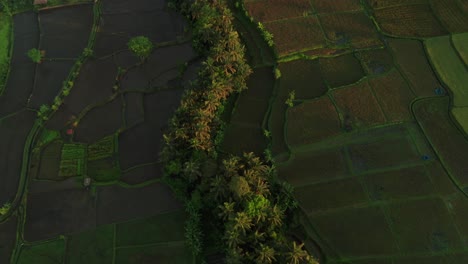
366,118
91,111
363,106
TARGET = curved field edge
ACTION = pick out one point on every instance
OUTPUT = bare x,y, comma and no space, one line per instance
452,71
198,175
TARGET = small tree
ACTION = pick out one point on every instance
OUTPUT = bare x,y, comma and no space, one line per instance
5,208
291,98
140,46
35,55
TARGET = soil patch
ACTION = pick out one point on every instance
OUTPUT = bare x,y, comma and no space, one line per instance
65,31
61,212
310,167
49,78
142,174
330,195
118,204
50,161
303,76
91,247
13,133
341,70
100,121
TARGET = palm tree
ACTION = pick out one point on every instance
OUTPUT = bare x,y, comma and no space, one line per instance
266,254
298,255
233,238
227,210
218,187
276,216
242,222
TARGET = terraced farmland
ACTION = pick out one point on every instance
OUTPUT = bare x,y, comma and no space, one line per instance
374,140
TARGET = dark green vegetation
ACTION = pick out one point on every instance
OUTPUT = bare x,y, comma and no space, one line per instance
35,55
141,46
5,46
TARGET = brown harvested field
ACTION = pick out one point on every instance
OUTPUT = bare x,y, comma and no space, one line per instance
265,11
368,225
409,21
296,34
311,122
399,184
410,56
359,106
435,233
450,15
342,70
376,61
327,6
450,144
394,96
303,76
330,195
382,153
50,161
389,3
310,167
354,28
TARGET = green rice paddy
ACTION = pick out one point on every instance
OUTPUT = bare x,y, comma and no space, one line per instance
5,37
450,67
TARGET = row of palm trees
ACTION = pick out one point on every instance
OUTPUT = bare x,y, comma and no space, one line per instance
236,199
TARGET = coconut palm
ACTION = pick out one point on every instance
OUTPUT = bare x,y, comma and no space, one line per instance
242,222
227,210
297,254
276,216
265,254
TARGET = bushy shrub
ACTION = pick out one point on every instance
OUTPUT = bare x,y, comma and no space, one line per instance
141,46
35,55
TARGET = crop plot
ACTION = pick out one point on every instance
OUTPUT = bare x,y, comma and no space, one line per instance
450,144
92,246
450,15
376,61
341,228
411,58
46,252
441,180
296,34
166,227
409,21
311,167
342,70
391,3
461,116
134,112
104,148
450,68
8,238
358,106
399,184
103,170
174,254
436,233
72,161
244,138
382,153
304,77
249,111
459,208
330,195
394,96
265,11
311,122
50,161
325,6
143,173
350,29
459,42
100,121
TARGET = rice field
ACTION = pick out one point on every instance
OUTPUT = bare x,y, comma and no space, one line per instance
449,67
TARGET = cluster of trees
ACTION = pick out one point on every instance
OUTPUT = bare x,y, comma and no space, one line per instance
235,203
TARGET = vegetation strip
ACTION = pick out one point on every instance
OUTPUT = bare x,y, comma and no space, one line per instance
238,199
